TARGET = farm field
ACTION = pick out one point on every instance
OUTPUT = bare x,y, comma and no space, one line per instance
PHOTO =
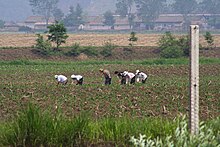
89,39
167,87
116,111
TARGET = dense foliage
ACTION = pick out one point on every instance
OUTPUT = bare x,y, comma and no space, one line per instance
172,47
57,34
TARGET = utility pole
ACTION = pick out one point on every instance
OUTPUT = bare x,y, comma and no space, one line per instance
194,80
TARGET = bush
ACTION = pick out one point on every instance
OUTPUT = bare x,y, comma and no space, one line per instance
172,52
132,38
181,137
75,50
209,39
107,49
89,50
42,45
171,47
184,43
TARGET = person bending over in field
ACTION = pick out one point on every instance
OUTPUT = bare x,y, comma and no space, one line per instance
107,76
130,77
61,79
141,76
78,79
121,77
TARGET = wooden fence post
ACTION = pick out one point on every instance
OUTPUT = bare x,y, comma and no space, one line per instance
194,80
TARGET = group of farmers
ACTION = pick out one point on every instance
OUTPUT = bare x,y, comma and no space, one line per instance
125,77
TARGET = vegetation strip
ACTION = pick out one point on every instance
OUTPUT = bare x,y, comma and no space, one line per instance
178,61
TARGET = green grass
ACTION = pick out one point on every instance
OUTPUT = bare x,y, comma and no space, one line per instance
32,127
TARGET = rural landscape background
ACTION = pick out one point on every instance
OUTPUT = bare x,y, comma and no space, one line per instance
28,77
35,111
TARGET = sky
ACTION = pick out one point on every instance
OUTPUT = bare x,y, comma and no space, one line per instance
14,10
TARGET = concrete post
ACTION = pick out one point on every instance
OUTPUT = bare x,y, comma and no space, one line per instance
194,80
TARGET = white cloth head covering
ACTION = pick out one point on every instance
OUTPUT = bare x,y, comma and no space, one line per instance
73,76
137,71
125,73
56,76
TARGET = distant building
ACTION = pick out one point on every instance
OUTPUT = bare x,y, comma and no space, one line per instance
168,22
96,23
38,22
11,27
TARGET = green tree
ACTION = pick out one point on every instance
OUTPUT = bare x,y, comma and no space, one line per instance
124,8
44,8
57,34
2,23
58,14
211,7
74,18
185,7
109,19
149,10
209,39
132,38
170,46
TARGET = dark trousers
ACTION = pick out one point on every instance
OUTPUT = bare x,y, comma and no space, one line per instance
108,81
132,80
123,80
80,82
144,81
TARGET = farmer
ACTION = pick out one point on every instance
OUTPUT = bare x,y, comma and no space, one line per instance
121,77
78,79
107,76
141,76
61,79
130,77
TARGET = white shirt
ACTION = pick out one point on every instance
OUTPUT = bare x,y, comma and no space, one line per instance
61,78
142,75
130,75
77,77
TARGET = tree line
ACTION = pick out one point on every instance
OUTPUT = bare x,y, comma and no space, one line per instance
146,10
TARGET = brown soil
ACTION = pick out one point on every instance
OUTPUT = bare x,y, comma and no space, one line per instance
119,53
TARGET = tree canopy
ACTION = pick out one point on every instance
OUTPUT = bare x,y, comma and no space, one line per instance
109,19
57,34
74,18
149,10
44,7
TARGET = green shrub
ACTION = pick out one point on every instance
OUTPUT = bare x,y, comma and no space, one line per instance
107,49
181,137
89,50
173,51
42,46
184,43
209,39
75,50
170,47
132,38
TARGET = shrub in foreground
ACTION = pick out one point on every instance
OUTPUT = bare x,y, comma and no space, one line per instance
181,137
32,127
